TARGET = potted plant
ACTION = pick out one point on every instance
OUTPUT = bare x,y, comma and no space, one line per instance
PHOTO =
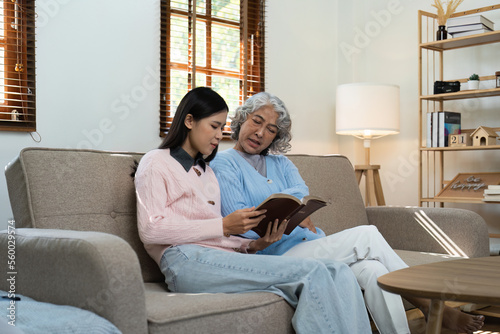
474,81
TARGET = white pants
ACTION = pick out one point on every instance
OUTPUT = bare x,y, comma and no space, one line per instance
369,256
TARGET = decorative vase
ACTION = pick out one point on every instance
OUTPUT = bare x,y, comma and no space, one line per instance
441,33
473,84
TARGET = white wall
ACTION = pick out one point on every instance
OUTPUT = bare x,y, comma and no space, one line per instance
95,88
371,40
294,43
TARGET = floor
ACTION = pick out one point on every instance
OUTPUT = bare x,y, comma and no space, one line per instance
417,323
491,326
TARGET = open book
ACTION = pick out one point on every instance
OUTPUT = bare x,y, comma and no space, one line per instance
284,206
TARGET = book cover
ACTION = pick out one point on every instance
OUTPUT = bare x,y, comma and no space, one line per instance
449,123
469,33
492,191
428,142
469,19
435,126
283,206
491,198
467,27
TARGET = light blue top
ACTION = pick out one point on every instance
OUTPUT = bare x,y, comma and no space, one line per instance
242,187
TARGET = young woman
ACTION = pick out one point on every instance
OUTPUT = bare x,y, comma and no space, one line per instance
179,221
262,125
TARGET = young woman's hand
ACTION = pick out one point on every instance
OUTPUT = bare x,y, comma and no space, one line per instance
274,233
241,221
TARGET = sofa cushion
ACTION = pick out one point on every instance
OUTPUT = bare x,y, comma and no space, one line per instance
31,316
261,312
332,178
413,258
80,190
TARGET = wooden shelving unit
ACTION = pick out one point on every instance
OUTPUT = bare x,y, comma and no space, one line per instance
432,160
465,94
432,165
465,148
462,42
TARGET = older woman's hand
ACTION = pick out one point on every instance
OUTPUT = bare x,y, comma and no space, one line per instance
307,223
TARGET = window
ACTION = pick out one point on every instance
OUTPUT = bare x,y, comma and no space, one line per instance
218,45
17,65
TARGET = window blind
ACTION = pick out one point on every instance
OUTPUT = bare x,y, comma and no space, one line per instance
212,43
17,65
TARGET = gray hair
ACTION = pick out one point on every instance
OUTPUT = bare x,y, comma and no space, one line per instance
281,143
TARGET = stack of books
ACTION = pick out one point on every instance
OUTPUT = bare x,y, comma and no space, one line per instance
440,125
492,194
469,25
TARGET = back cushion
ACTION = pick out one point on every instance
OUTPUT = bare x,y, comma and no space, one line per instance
332,178
80,190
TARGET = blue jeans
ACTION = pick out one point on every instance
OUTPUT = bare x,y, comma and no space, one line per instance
369,255
324,293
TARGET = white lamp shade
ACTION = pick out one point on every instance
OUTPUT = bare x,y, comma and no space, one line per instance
367,110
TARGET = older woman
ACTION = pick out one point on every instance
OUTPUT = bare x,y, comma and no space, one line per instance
248,174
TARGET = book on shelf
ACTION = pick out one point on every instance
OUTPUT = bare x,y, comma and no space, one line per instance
435,129
492,191
283,206
491,198
469,19
467,27
428,141
449,123
469,33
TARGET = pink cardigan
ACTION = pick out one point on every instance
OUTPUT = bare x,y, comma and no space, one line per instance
175,207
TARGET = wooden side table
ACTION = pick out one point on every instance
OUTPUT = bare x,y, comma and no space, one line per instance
473,280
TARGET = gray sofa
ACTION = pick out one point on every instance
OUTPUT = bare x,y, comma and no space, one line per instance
77,242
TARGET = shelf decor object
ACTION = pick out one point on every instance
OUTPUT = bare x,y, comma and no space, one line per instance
468,186
443,15
484,136
368,111
460,140
473,81
441,33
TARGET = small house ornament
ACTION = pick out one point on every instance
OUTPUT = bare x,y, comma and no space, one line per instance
484,136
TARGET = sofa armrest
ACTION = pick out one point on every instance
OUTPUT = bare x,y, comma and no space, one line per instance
436,230
95,271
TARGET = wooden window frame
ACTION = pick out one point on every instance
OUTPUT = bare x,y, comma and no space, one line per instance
252,71
18,108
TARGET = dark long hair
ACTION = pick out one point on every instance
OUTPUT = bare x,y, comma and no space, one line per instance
201,102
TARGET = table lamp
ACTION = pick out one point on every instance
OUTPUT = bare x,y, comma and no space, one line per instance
368,111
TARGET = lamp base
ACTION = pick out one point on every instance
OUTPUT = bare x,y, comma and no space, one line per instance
374,193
